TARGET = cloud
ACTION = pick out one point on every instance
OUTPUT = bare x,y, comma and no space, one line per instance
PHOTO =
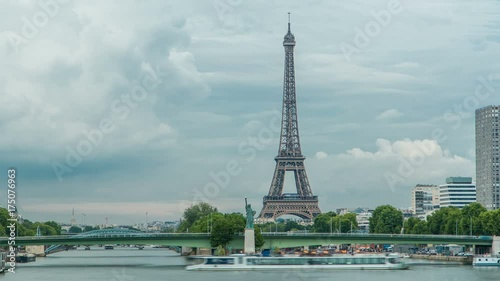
222,84
385,174
389,114
321,155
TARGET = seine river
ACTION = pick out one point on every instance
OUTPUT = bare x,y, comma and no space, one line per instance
127,264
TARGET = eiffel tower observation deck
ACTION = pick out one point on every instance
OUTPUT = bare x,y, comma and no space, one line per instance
290,159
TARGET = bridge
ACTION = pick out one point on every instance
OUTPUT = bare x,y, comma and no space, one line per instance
272,239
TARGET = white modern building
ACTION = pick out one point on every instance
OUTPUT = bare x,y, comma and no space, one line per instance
457,192
424,199
363,220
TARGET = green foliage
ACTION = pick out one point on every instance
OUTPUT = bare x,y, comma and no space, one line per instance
90,228
323,222
74,229
55,226
220,251
409,225
225,227
45,230
444,220
490,222
194,213
420,227
450,220
283,226
27,228
386,219
259,239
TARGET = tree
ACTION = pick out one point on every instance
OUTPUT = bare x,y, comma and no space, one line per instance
420,228
55,226
90,228
24,231
386,219
259,239
323,222
409,224
194,213
203,224
45,230
471,219
490,222
74,229
225,227
444,221
344,223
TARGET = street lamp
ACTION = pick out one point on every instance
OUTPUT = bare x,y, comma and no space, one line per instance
83,219
470,226
331,225
147,228
456,227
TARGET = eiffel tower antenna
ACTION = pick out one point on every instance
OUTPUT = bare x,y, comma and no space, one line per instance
288,21
73,220
290,159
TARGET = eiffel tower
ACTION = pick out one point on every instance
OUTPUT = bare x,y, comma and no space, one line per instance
290,159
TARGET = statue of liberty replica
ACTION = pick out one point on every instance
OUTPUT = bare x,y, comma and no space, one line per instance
249,230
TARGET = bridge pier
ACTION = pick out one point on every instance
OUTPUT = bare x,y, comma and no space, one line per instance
186,251
38,250
495,248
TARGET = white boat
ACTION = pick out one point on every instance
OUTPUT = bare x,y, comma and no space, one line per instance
486,260
244,262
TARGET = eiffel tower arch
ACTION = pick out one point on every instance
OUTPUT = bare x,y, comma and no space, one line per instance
290,159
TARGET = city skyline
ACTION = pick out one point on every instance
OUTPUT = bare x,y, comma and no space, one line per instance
375,118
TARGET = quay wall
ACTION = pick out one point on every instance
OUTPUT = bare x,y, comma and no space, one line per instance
464,260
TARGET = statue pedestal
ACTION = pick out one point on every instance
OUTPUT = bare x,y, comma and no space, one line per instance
249,241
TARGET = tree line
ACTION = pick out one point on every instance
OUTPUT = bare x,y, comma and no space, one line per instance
204,218
28,228
472,219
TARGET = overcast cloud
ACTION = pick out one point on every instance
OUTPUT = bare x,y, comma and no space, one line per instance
160,96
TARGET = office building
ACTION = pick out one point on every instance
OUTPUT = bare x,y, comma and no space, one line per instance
424,199
457,192
487,157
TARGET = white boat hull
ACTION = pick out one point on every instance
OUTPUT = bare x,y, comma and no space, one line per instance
309,267
488,261
249,263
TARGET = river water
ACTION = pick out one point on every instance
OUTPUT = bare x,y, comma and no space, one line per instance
129,264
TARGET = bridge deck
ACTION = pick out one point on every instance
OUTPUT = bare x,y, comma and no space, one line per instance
273,239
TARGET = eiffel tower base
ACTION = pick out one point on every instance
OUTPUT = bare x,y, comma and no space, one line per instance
249,241
305,208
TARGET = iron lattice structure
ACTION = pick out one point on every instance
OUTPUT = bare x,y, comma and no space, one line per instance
290,159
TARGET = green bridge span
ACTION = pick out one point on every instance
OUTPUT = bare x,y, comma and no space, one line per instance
272,239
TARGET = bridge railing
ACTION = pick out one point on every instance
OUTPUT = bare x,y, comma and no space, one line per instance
114,235
366,235
265,234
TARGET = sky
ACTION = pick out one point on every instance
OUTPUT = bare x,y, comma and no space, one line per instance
120,108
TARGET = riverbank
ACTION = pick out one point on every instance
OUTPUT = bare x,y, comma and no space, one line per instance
463,260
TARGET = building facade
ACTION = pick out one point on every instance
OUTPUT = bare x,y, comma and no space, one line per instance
457,192
487,157
424,199
363,220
